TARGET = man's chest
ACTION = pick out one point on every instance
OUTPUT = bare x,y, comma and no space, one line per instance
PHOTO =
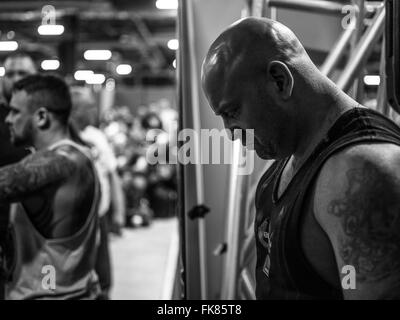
287,226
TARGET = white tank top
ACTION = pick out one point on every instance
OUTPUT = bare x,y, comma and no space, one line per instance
61,268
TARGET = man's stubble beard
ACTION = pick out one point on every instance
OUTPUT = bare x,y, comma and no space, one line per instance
25,139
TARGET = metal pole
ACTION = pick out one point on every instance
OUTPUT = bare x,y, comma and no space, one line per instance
257,8
191,113
326,7
358,87
337,52
236,192
181,174
198,167
381,103
362,51
247,285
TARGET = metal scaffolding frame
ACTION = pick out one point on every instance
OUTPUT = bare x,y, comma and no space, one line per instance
325,7
362,50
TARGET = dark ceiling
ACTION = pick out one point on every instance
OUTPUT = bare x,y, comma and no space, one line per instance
135,30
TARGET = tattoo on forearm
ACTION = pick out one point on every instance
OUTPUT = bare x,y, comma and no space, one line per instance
32,173
369,214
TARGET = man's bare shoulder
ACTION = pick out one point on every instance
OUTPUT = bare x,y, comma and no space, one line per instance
357,203
368,170
73,155
64,158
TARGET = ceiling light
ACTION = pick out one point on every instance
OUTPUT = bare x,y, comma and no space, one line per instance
96,78
97,54
174,63
173,44
8,45
2,71
82,75
372,80
167,4
50,29
124,69
50,64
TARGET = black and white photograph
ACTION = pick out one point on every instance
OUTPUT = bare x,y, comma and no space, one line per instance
200,156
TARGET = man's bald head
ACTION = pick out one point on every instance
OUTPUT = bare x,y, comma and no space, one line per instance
257,76
248,77
251,43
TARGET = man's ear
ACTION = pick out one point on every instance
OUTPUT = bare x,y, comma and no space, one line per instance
283,78
42,118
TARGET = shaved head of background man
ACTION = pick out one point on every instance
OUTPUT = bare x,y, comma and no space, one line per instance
330,203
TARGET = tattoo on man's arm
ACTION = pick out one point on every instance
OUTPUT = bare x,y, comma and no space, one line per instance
33,173
369,214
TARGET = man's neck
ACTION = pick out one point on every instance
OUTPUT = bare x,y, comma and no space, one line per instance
50,138
318,120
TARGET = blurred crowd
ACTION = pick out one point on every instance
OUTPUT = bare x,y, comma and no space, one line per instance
150,189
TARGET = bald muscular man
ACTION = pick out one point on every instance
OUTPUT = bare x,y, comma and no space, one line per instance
58,188
328,209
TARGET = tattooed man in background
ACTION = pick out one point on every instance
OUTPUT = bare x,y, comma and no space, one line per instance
58,188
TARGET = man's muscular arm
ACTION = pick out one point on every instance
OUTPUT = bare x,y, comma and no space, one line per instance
357,203
33,173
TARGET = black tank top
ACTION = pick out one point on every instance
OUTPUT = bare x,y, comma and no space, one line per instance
282,270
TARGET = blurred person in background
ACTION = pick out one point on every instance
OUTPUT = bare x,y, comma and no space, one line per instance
162,189
84,125
17,65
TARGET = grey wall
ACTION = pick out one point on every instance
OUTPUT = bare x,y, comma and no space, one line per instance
210,18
